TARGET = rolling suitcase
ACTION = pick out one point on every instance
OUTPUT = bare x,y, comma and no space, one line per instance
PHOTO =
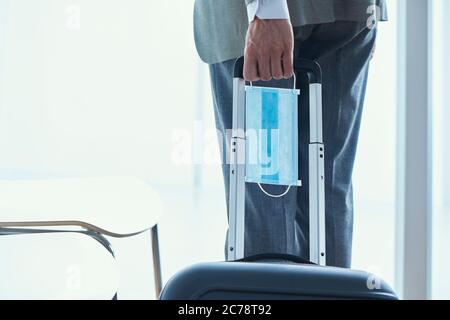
276,276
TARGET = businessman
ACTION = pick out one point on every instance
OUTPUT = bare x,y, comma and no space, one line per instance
340,35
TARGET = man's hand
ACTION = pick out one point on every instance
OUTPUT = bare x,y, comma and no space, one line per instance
269,50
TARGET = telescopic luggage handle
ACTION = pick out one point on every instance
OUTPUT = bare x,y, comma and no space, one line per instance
309,81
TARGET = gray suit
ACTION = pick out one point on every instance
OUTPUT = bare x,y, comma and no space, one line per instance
334,33
220,25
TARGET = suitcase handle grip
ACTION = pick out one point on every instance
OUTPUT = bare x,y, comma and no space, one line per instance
300,65
276,256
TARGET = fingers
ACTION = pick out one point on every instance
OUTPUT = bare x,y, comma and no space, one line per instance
250,67
288,65
276,67
268,67
264,68
257,66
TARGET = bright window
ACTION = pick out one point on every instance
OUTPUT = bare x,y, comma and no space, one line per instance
441,149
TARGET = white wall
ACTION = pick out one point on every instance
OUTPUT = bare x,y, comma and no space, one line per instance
100,99
441,146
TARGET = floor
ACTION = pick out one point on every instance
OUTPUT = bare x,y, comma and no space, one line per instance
193,230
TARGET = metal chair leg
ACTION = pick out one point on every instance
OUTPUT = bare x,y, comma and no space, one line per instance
156,261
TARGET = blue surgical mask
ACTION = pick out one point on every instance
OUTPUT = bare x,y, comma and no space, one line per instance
272,136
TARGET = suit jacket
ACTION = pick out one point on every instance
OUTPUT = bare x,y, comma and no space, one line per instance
220,26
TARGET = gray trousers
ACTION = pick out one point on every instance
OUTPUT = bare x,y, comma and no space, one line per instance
343,49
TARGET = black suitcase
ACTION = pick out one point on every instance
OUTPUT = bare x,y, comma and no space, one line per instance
276,276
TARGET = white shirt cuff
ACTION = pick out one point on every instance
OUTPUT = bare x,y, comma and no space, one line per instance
268,9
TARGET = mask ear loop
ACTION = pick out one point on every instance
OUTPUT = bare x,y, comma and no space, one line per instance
274,195
289,187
